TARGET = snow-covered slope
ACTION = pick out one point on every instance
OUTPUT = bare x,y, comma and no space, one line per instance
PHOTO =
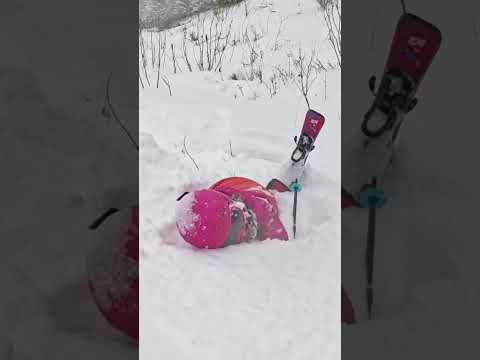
260,300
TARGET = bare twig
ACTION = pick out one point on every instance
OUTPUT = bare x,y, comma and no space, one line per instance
108,111
272,85
306,73
174,59
331,15
241,89
144,60
152,50
210,41
161,54
279,32
184,47
167,83
188,154
231,151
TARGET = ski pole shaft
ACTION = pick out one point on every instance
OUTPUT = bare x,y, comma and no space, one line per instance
295,195
370,256
371,250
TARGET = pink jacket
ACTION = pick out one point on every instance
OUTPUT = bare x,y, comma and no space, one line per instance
260,200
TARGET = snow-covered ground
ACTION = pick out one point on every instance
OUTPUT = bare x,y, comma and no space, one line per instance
260,300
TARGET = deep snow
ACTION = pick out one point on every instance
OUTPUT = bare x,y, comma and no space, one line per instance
258,300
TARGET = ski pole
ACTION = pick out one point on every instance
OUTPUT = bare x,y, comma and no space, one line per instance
295,187
294,214
371,247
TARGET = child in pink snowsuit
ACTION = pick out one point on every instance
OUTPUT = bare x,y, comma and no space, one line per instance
231,211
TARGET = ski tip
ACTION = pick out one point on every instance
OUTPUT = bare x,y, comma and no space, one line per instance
315,115
437,34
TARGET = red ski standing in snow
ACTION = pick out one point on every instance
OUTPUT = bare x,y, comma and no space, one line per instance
412,50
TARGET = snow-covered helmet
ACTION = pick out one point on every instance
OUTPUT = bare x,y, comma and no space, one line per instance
209,219
112,269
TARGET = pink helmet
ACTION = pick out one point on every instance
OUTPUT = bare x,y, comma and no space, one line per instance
207,219
112,268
